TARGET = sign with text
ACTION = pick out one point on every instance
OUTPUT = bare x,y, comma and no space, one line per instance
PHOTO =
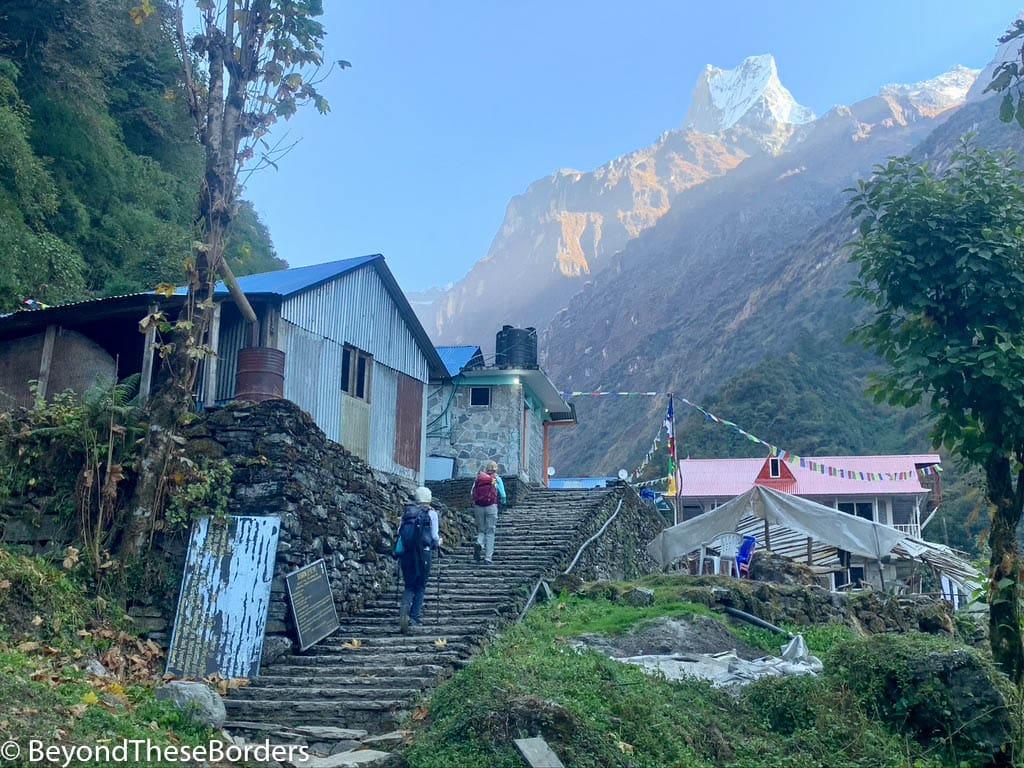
225,593
312,601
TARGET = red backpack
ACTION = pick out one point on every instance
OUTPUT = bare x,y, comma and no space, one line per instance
485,490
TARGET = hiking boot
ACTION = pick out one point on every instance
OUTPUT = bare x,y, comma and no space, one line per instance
477,551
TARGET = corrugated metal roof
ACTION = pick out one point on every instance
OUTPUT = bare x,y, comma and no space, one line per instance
286,282
731,477
457,358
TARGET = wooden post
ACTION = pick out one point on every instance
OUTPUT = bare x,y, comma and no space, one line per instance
46,359
148,348
767,535
810,560
210,369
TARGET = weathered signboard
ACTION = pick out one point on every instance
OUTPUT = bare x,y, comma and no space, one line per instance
309,593
225,593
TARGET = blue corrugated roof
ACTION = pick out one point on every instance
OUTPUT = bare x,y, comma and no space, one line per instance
285,282
456,358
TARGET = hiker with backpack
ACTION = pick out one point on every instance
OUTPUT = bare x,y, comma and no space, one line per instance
418,537
487,490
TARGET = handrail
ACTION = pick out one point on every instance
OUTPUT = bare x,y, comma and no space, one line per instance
592,538
540,581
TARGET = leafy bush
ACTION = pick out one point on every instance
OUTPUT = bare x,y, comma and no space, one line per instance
946,696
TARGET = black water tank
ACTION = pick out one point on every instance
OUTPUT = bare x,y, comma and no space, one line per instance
501,342
516,347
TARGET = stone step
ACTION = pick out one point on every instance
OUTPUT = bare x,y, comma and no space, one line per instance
399,644
332,678
347,671
376,716
328,693
384,609
387,626
384,660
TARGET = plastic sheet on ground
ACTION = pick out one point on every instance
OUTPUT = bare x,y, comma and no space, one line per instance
727,669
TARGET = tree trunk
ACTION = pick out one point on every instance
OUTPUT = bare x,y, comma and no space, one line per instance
1005,570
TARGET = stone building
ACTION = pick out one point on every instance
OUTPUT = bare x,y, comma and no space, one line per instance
502,413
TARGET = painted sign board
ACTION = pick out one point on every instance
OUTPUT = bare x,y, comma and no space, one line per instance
312,601
225,593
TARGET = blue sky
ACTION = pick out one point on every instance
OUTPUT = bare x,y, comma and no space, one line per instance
452,108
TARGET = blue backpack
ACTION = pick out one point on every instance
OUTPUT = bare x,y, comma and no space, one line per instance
414,535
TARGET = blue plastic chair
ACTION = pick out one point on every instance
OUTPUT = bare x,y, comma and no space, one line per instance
745,555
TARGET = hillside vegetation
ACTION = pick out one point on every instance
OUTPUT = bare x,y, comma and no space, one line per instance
870,707
99,166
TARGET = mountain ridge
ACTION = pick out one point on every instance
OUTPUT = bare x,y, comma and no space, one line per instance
567,227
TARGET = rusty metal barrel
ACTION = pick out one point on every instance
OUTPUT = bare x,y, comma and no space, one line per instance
260,374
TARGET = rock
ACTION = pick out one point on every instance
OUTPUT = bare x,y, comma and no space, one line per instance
357,757
781,570
566,582
639,597
329,733
93,667
274,647
197,699
392,739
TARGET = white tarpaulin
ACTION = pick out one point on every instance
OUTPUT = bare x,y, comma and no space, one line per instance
825,524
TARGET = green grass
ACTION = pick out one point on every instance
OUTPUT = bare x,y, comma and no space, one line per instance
595,712
48,628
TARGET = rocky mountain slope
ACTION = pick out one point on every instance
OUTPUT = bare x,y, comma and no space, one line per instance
749,266
566,227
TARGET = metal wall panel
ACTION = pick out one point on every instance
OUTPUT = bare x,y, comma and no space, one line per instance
384,403
233,337
357,309
312,377
355,428
224,598
409,426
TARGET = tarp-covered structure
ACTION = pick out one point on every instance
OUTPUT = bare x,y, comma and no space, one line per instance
792,521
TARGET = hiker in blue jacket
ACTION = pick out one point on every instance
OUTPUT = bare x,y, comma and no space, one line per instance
488,490
418,537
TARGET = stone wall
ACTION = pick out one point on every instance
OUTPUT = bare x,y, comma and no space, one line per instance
866,611
619,552
332,505
472,435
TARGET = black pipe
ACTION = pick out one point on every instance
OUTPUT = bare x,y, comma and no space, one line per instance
751,619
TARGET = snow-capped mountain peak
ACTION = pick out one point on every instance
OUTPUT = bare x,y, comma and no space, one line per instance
934,96
751,96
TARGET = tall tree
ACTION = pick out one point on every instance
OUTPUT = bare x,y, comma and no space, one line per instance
941,261
251,63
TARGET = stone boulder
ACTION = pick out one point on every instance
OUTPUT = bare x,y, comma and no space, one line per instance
196,699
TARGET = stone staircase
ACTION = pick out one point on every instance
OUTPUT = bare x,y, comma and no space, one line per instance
371,687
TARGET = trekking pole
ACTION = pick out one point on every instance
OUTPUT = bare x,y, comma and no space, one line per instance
437,606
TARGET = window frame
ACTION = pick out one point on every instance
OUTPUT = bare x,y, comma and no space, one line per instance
359,373
474,389
857,506
774,468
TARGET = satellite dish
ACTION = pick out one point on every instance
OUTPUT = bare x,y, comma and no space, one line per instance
551,471
623,474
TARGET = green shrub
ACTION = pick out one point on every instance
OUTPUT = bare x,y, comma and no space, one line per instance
945,696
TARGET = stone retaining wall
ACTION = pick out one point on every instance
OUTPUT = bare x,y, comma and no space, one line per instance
620,552
333,506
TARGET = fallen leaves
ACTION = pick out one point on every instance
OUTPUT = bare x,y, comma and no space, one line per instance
441,643
352,645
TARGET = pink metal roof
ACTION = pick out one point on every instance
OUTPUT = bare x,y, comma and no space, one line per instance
731,477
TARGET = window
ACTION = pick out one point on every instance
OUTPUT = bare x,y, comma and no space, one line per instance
480,396
773,468
864,509
356,367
